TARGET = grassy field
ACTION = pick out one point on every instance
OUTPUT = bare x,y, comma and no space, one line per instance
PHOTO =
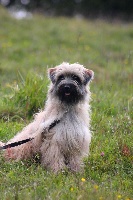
27,49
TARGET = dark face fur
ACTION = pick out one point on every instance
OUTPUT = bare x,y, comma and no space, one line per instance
69,88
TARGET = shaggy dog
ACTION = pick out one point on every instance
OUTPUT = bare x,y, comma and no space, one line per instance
61,132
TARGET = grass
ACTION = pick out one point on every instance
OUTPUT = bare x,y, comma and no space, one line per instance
27,49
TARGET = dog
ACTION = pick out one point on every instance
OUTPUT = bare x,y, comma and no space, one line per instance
60,133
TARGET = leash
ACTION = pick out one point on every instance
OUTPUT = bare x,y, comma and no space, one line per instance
54,123
14,144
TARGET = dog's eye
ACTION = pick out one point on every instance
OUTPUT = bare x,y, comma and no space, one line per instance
76,78
61,77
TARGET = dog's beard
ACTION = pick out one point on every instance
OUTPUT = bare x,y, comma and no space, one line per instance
70,93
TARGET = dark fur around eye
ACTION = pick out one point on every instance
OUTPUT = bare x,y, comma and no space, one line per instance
76,78
61,77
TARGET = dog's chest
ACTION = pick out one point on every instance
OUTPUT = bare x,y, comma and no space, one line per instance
70,132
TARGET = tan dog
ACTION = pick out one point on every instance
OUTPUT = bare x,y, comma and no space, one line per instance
62,131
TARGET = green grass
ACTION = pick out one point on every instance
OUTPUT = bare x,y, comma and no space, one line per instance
27,49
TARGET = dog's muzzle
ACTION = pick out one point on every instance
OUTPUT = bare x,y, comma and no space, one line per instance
68,92
68,89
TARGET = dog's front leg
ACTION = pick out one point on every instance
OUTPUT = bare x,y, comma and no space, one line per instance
51,156
75,162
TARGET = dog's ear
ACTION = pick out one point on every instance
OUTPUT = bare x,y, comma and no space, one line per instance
51,73
88,76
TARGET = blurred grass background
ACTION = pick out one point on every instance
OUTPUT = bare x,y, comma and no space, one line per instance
27,48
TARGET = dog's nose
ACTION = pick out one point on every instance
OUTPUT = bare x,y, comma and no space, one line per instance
67,88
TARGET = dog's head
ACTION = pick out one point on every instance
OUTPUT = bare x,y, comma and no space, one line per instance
69,82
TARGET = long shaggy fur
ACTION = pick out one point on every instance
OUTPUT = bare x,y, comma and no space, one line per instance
67,143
